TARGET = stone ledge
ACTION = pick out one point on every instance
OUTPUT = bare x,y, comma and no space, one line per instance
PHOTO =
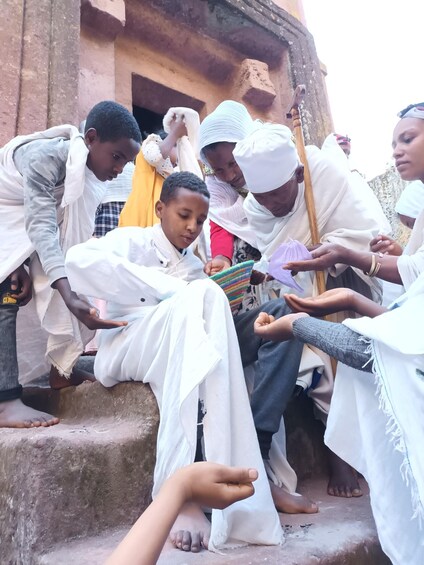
60,482
342,533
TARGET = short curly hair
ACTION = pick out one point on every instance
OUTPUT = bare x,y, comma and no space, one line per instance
183,179
112,121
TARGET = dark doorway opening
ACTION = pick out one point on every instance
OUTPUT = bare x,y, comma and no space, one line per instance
148,121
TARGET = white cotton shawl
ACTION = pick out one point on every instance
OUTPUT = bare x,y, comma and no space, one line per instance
82,194
226,210
411,201
229,122
187,145
387,415
342,215
411,263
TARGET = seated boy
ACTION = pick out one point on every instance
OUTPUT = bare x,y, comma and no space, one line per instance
180,339
51,183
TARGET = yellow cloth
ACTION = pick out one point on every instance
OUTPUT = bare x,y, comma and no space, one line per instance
139,210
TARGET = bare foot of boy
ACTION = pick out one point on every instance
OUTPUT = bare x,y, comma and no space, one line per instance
78,376
291,503
343,480
191,529
15,414
281,329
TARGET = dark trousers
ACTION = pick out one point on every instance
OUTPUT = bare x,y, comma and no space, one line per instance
276,366
9,373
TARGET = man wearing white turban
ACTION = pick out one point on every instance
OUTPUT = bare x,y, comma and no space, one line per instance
276,211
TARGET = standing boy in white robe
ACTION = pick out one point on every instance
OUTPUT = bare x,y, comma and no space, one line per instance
180,339
51,183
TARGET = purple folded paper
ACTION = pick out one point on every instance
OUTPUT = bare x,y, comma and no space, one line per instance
286,253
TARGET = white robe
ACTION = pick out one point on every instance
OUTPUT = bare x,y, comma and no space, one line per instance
81,195
343,217
181,340
376,424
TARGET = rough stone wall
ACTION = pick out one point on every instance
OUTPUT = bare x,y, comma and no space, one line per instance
157,53
388,188
59,58
40,61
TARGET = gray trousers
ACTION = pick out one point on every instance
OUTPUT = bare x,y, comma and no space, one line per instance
10,388
337,340
276,366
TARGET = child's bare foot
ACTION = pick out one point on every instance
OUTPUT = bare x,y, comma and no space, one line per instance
291,503
343,480
16,414
78,376
276,330
191,529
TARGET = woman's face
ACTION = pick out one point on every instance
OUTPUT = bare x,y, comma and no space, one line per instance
408,148
221,160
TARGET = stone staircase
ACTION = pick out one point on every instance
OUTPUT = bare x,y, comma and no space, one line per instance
69,493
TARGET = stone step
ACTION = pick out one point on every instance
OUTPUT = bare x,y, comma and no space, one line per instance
342,533
93,471
77,477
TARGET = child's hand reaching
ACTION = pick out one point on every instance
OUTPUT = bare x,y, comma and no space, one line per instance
82,309
214,485
216,265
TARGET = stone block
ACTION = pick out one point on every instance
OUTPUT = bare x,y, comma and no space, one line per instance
253,84
107,17
91,472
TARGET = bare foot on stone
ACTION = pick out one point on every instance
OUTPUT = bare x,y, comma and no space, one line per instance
16,414
78,376
291,503
343,480
191,529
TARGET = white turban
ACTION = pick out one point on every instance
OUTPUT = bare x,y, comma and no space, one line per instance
229,122
267,157
411,201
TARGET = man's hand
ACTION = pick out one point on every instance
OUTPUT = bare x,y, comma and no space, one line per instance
21,286
216,265
385,244
328,302
216,486
325,256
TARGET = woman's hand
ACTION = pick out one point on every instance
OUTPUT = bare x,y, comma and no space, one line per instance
323,257
328,302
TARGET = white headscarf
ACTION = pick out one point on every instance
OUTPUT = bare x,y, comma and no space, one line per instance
267,157
413,111
411,201
230,122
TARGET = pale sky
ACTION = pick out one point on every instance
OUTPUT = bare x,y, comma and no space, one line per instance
373,51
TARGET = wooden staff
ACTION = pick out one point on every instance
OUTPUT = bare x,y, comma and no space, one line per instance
294,114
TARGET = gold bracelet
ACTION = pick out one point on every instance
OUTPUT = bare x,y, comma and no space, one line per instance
375,267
